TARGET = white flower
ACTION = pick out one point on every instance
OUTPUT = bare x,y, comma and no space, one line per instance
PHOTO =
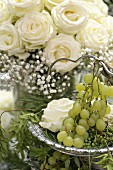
99,6
20,7
6,100
5,120
6,104
93,36
4,13
107,22
69,17
102,6
9,39
93,9
35,29
52,3
55,113
62,46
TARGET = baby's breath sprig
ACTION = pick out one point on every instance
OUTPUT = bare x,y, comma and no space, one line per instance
32,74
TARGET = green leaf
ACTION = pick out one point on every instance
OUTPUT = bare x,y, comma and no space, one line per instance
67,163
109,167
77,161
41,152
19,130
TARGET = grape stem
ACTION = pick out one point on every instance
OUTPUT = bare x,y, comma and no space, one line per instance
44,164
104,65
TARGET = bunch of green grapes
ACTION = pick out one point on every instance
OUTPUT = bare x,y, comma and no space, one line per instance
56,162
87,113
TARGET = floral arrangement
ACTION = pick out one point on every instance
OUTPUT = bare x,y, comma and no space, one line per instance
32,38
44,45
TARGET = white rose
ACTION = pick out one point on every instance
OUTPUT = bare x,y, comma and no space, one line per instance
20,7
107,22
6,100
62,46
69,17
9,39
6,104
52,3
6,120
35,29
4,13
94,11
93,36
102,7
55,113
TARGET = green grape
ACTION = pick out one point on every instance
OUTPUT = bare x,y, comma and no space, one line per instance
102,112
57,155
87,127
110,91
71,113
89,90
103,97
103,103
105,91
91,122
63,169
68,141
78,136
97,105
69,127
88,78
101,86
62,128
64,157
78,143
80,130
94,116
77,108
52,160
84,114
100,124
61,136
81,94
68,121
71,134
80,87
95,93
47,166
53,169
86,135
95,86
86,105
108,109
83,122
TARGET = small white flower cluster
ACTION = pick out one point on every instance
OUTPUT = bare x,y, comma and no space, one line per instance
60,27
34,75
